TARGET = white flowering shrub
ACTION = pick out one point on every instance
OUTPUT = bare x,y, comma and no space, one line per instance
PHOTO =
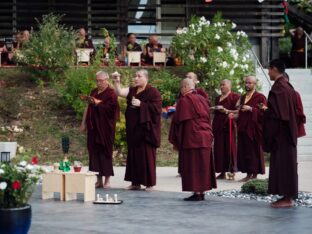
214,51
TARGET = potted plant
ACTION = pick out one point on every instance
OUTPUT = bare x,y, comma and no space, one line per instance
17,183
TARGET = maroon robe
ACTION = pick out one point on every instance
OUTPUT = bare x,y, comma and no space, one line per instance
249,136
143,136
224,161
301,118
191,134
280,139
101,125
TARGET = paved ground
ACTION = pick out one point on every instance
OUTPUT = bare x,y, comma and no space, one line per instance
167,180
164,211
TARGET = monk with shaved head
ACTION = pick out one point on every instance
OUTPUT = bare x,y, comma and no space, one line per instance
200,91
191,134
250,158
224,131
99,120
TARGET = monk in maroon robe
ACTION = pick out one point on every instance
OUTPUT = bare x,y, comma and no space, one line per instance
143,116
301,118
99,120
250,158
280,137
224,131
191,134
200,91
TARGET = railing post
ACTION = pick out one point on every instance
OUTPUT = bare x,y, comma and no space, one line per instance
306,52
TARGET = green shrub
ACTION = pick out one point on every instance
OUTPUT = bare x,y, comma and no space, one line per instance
168,85
304,5
50,50
256,186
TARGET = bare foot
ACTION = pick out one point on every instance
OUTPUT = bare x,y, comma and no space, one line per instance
231,175
99,184
106,186
133,187
149,189
178,175
283,203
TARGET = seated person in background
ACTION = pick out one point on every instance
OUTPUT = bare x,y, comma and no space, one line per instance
4,52
131,44
24,38
107,49
152,46
83,41
15,46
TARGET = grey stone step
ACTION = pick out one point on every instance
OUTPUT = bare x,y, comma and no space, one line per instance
305,141
304,149
304,157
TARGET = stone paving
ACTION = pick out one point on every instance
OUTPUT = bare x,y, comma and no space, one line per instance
164,211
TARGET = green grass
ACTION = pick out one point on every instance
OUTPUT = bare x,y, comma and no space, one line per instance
39,111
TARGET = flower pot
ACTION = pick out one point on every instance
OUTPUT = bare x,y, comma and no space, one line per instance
15,220
77,169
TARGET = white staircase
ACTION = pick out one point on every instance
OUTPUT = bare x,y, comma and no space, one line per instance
301,79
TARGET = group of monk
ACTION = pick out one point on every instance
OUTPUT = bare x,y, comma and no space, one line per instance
243,126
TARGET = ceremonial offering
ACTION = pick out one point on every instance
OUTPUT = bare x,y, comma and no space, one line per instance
108,200
64,165
77,166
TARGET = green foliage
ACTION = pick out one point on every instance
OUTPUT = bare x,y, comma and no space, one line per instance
285,45
168,85
304,5
214,51
50,50
17,183
256,186
120,142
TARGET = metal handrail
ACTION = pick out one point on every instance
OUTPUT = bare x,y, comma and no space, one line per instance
260,65
306,48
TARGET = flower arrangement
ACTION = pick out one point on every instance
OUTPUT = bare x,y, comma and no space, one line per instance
214,51
17,182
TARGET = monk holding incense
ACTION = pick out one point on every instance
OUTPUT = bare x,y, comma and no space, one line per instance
143,115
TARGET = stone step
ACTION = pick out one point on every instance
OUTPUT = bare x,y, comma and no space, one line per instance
304,157
304,149
305,141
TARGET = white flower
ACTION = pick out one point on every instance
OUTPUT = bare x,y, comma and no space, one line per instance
203,19
235,65
232,72
23,164
199,30
244,59
179,31
217,37
224,64
184,30
233,25
30,167
203,59
229,44
1,171
212,73
219,49
3,185
240,90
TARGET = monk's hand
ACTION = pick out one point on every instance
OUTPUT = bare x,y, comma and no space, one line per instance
116,77
135,102
96,101
83,128
231,115
263,107
246,108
